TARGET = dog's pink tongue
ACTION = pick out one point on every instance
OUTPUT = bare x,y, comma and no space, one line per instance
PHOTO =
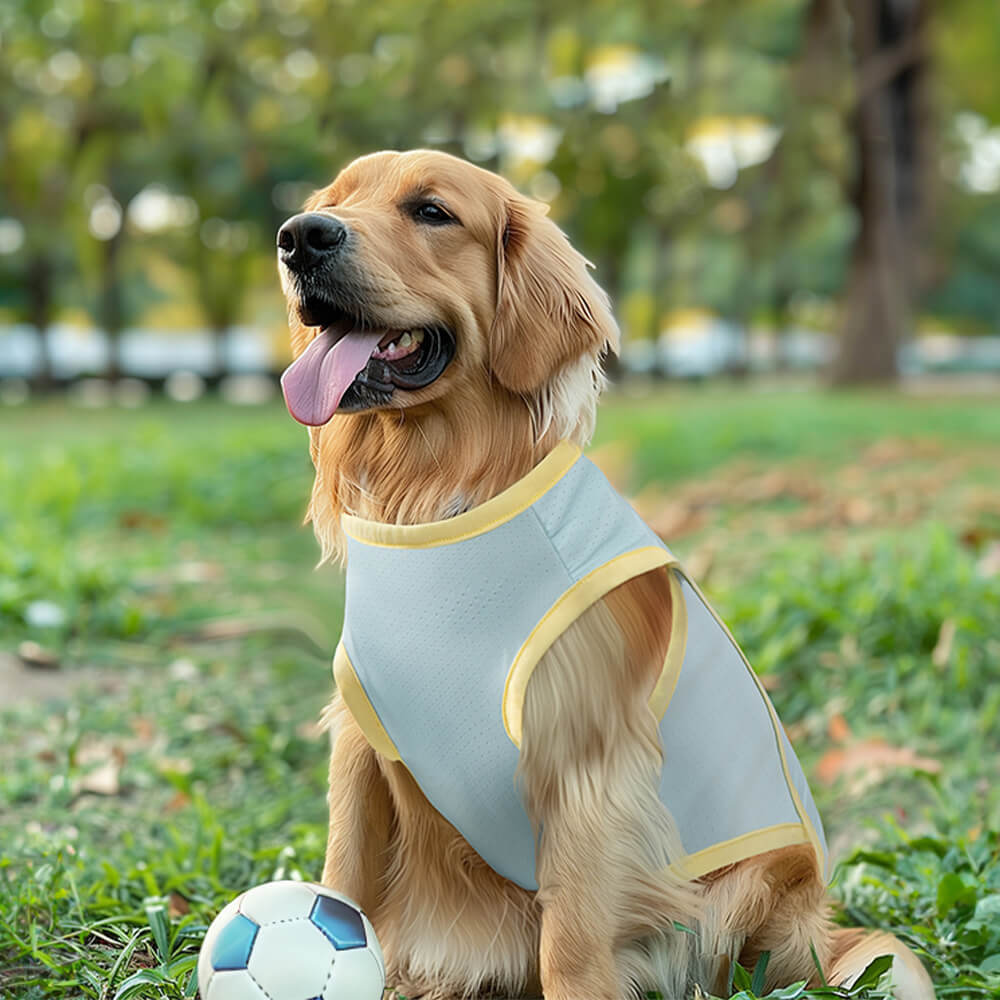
315,382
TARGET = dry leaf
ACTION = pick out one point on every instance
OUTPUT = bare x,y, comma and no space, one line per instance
143,728
989,563
871,758
699,564
177,905
136,520
857,510
34,655
178,801
887,451
198,572
837,729
103,780
675,519
945,641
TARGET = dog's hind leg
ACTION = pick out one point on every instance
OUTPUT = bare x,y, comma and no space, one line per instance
853,950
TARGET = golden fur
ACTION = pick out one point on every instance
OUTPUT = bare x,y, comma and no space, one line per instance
531,326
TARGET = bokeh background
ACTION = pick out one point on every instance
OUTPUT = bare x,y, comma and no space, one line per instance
762,184
795,205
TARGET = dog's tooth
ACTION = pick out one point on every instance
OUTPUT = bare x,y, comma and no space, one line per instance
405,340
418,336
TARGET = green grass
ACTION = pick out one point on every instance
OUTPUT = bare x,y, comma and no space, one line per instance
173,758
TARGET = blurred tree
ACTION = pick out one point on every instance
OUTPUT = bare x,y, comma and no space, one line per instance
701,154
40,145
891,126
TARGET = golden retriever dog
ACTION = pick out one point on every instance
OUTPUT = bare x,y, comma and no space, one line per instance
448,338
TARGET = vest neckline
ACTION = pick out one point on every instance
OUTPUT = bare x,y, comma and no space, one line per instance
497,510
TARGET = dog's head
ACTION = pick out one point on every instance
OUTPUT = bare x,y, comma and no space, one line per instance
415,275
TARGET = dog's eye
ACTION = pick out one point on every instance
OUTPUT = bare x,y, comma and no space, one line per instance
432,212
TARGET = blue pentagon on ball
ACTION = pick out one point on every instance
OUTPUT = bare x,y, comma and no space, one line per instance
234,943
339,922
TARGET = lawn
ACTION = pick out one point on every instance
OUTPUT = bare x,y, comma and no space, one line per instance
160,752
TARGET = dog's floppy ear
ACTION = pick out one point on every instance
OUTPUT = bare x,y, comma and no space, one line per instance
549,309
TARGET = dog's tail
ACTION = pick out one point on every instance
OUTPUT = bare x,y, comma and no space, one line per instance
854,949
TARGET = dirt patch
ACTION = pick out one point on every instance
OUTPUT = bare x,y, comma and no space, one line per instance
20,683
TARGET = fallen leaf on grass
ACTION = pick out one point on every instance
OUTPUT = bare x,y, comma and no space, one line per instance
857,510
177,905
837,729
989,565
668,518
135,520
36,656
179,800
887,451
779,484
871,759
699,564
105,761
198,572
144,728
103,780
945,641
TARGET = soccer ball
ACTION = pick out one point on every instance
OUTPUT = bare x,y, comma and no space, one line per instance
291,941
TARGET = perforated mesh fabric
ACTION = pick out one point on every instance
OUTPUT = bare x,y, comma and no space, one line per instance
432,633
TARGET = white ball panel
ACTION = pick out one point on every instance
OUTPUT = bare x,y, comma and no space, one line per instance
373,943
291,959
357,975
273,901
205,955
234,985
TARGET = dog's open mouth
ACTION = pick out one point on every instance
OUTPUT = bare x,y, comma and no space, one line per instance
349,367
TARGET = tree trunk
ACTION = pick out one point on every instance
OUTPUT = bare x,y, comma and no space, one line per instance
41,293
111,308
220,337
890,129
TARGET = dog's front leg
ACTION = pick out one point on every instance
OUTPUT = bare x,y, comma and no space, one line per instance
590,763
360,815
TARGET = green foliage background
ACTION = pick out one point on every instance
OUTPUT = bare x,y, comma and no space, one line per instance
239,107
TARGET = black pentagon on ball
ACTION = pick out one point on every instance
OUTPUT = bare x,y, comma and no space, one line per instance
233,945
341,923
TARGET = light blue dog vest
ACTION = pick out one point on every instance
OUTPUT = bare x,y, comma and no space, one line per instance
444,623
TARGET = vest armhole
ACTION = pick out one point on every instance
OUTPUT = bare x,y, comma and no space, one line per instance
663,690
360,707
813,836
585,592
747,845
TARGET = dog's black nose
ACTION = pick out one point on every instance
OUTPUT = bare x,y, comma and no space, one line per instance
307,240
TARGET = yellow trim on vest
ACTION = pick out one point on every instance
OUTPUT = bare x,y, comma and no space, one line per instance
503,507
813,836
561,615
663,691
360,707
747,845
